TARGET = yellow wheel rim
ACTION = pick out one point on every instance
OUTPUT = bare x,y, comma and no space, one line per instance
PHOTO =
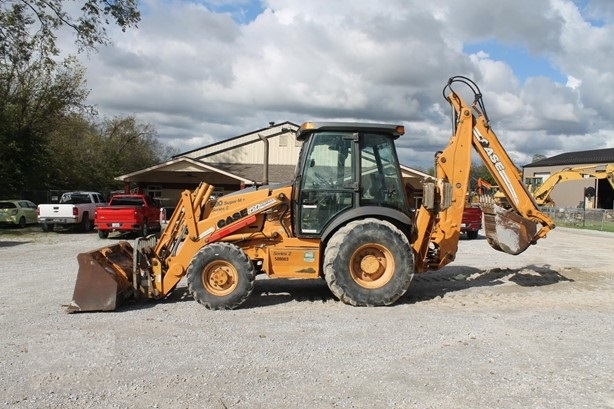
372,265
220,278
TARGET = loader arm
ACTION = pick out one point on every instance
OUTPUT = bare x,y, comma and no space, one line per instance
197,222
439,219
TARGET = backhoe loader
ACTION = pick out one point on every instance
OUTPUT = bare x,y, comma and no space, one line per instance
542,192
344,218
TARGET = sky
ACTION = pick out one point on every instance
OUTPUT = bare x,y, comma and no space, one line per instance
204,71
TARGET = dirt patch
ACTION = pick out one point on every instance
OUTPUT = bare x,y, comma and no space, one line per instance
490,330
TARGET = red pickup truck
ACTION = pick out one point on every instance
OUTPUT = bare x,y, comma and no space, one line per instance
472,221
128,213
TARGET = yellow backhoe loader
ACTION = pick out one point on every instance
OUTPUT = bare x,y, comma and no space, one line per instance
542,192
344,217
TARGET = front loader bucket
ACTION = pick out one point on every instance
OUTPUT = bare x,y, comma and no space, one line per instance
506,230
104,279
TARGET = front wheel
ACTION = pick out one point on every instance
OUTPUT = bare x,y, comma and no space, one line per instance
368,263
220,276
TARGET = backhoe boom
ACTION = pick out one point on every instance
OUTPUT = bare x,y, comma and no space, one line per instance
508,230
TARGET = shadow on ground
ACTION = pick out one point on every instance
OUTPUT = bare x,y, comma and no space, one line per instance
424,287
430,285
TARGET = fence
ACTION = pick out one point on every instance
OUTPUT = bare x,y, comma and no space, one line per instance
594,219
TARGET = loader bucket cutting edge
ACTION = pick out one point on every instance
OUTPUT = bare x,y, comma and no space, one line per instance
104,279
506,230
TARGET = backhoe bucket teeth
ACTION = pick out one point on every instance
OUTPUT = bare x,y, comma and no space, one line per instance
104,279
506,230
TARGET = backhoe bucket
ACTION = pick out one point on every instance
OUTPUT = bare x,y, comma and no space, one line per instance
104,279
506,230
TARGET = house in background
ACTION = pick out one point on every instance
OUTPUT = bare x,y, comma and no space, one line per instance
233,164
573,193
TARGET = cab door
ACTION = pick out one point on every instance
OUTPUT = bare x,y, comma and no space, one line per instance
328,183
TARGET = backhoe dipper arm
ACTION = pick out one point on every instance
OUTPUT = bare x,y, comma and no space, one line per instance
439,218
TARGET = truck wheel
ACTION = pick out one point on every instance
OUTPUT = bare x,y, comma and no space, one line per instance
103,234
368,263
473,234
144,229
86,223
220,276
47,227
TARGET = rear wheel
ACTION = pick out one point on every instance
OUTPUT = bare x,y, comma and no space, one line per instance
220,276
473,234
103,234
368,263
144,229
86,223
47,227
22,222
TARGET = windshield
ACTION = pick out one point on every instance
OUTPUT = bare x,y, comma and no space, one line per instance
75,198
127,201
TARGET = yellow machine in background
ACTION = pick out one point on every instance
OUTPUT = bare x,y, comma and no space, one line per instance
542,192
344,217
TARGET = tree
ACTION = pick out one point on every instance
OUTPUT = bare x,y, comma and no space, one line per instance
89,155
33,100
28,27
38,91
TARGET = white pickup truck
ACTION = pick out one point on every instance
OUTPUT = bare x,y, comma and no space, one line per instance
74,209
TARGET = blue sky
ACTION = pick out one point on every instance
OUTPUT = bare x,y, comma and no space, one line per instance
523,64
242,12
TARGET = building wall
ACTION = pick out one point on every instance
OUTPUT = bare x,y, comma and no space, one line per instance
283,149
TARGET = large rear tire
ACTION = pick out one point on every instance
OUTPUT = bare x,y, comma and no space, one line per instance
220,276
368,263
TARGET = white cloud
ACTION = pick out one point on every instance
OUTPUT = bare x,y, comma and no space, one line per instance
199,76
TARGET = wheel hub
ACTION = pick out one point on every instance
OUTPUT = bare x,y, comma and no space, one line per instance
370,264
219,277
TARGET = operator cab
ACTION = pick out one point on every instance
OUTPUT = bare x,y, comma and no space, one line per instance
343,167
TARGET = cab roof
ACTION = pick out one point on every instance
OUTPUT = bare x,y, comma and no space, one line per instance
310,127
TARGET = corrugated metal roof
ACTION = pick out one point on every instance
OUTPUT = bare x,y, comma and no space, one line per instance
598,156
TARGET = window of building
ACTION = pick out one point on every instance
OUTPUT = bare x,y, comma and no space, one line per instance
154,190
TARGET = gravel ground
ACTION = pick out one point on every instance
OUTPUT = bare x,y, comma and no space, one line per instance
489,331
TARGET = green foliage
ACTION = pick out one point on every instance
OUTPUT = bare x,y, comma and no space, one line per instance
88,155
479,171
33,99
28,27
50,140
47,137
